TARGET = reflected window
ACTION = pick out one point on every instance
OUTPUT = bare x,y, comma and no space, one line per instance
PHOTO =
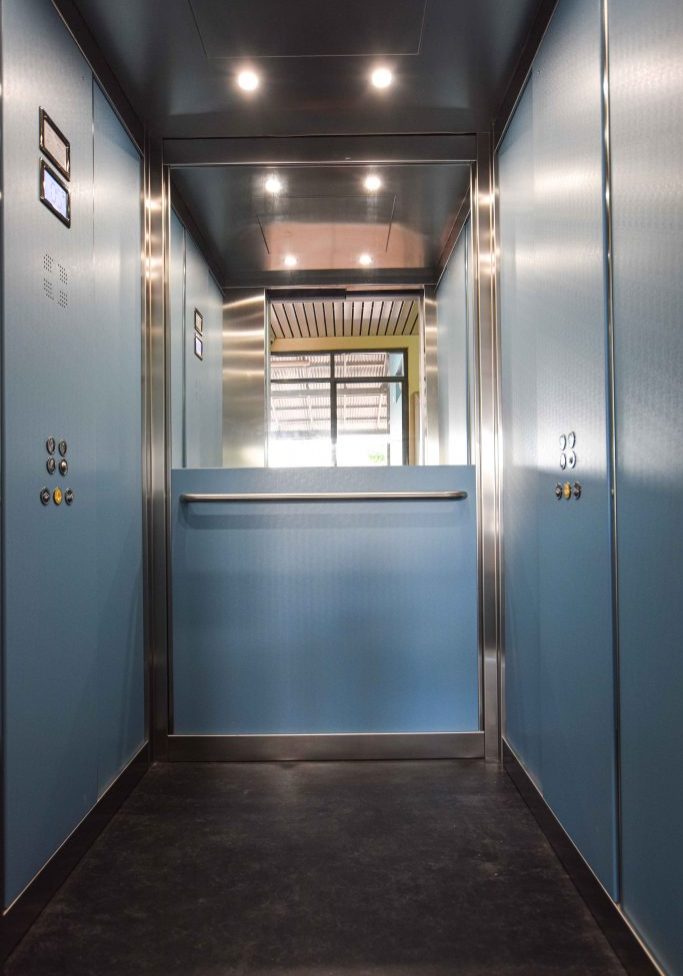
345,409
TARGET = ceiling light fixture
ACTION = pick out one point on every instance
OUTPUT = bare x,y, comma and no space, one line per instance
273,184
291,261
365,260
382,77
248,80
372,183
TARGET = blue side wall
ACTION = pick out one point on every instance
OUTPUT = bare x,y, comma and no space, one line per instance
558,638
325,617
561,698
72,641
646,84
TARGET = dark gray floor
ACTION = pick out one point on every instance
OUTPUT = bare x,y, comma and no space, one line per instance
319,869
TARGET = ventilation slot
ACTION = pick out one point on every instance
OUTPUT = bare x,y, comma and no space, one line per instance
63,275
48,263
48,289
63,300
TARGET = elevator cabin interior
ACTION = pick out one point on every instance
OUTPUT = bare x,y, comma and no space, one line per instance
341,346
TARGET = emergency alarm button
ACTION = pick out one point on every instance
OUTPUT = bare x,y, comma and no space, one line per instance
57,496
566,490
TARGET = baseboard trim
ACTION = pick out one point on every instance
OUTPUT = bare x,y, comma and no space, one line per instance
22,913
632,954
337,747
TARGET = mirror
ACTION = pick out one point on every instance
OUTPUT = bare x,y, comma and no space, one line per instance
305,325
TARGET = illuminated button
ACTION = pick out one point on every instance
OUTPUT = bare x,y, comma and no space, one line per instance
45,496
577,490
50,445
558,491
57,496
63,448
69,496
567,490
50,464
63,467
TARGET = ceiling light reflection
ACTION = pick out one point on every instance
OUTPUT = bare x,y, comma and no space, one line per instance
248,80
382,77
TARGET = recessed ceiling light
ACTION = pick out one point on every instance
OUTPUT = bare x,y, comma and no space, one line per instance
248,80
273,184
365,260
382,77
291,261
372,183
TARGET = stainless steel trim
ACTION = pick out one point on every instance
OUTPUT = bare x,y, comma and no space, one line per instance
431,377
189,498
611,424
487,442
157,227
326,747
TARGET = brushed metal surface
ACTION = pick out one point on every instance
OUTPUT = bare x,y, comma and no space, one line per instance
430,417
646,116
321,748
452,356
244,378
486,358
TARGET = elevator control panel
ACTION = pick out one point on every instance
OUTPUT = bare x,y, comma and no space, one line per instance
567,491
567,453
53,191
52,465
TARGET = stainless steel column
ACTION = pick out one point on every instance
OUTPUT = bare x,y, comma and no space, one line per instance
487,442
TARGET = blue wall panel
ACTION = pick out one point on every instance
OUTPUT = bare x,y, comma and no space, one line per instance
452,356
325,617
519,338
50,690
73,692
646,73
118,416
560,690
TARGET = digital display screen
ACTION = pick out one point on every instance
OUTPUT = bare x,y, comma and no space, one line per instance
198,347
54,144
54,194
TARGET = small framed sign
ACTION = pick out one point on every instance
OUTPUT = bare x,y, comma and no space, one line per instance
198,322
198,346
55,145
54,195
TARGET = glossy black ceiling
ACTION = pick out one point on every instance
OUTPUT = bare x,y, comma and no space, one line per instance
177,59
325,218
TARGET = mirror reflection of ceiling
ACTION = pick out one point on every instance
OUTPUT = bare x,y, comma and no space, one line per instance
177,61
381,315
324,220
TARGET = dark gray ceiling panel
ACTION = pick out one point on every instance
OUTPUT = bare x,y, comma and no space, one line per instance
308,28
467,56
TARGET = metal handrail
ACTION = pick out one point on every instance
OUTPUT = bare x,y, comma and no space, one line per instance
326,496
